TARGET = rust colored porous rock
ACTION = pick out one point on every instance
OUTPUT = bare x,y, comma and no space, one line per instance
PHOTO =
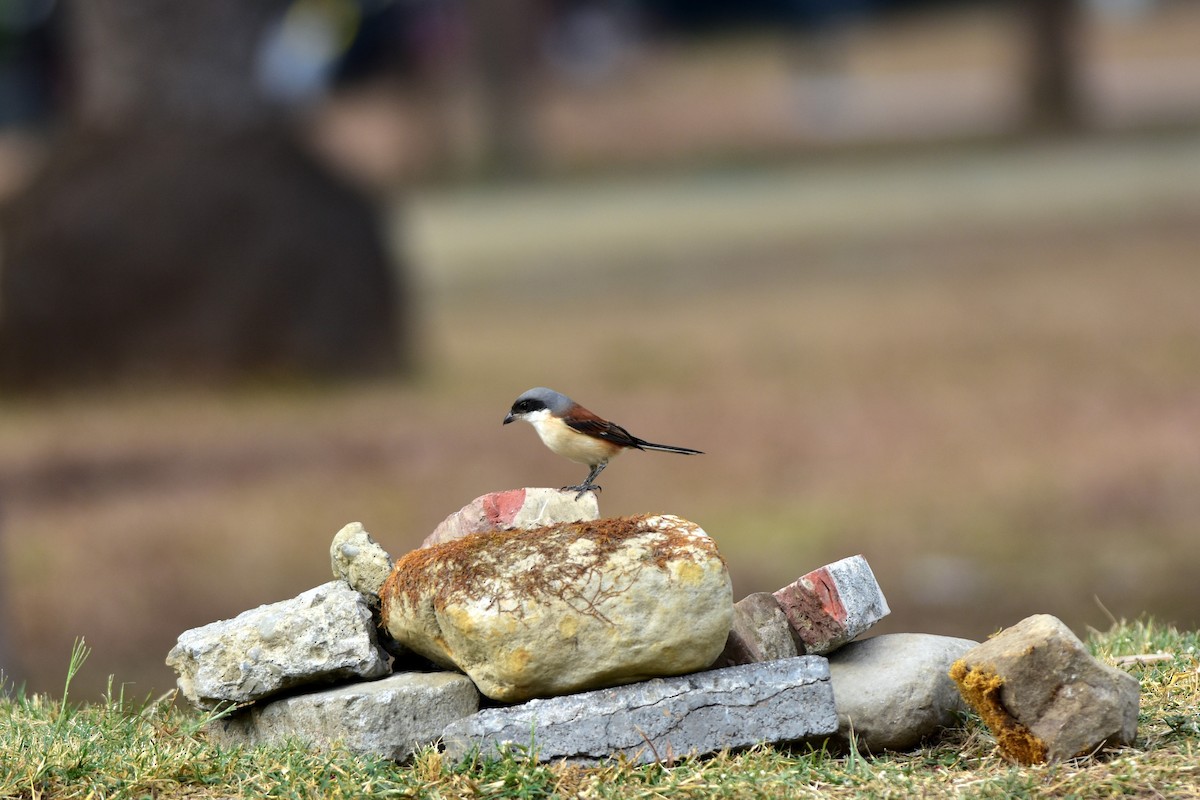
1044,696
565,608
515,509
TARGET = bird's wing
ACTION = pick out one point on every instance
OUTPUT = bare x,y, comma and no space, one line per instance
588,423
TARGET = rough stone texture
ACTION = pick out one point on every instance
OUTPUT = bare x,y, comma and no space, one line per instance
357,559
1044,696
565,608
893,692
776,701
515,509
831,605
324,634
760,632
392,717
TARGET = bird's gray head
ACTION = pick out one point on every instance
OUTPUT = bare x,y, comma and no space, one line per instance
538,399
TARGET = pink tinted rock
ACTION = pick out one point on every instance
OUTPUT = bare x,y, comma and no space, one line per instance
515,509
832,605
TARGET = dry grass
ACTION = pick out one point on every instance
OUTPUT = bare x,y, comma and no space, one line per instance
52,748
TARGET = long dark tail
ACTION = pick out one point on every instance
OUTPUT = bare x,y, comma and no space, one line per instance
667,448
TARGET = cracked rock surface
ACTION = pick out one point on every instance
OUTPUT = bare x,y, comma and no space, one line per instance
778,701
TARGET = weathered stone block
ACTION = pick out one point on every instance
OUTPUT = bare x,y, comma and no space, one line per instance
760,632
777,701
392,717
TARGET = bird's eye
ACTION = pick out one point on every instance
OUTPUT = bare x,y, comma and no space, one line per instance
527,405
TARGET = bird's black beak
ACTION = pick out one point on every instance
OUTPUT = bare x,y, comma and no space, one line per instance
508,418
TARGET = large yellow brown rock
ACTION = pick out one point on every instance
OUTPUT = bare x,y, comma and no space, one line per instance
537,613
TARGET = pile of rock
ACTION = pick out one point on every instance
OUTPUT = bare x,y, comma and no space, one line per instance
589,638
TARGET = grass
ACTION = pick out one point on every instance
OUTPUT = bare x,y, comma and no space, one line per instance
118,749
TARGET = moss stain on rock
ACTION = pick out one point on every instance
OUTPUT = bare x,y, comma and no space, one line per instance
981,689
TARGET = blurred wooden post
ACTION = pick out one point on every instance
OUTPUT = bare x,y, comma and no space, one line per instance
504,38
1054,31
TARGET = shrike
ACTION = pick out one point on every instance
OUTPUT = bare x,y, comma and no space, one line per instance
572,431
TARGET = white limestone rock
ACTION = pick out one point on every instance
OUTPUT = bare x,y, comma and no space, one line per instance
322,635
356,558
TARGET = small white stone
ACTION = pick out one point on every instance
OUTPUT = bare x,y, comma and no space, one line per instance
357,559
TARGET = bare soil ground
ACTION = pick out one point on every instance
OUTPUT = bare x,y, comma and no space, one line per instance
1001,415
980,370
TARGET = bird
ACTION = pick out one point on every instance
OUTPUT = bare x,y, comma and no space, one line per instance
570,430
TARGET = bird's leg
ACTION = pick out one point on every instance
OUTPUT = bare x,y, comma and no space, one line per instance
587,485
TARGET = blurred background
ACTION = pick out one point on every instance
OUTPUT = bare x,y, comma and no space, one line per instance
921,278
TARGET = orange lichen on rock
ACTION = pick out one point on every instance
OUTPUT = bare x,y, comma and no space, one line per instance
981,689
536,612
466,562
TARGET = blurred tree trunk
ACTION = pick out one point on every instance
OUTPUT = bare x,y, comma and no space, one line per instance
180,231
504,37
1054,29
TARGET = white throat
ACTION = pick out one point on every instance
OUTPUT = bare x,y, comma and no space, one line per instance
541,422
566,442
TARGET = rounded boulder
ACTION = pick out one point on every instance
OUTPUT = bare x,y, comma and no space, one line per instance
568,607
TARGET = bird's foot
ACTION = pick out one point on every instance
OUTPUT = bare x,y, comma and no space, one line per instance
582,489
